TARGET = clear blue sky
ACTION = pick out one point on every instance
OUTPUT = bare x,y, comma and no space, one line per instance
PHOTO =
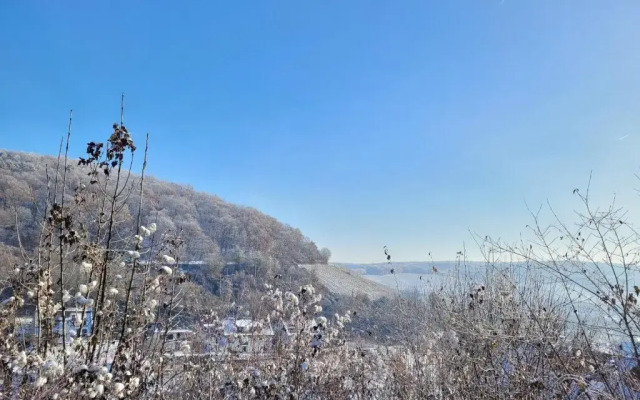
363,123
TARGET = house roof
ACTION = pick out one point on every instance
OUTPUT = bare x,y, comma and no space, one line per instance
179,331
77,309
245,326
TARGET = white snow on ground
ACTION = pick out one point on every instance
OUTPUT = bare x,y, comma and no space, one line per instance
347,283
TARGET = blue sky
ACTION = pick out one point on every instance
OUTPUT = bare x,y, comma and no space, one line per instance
363,123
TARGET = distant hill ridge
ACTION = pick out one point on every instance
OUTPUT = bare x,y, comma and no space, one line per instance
408,267
215,229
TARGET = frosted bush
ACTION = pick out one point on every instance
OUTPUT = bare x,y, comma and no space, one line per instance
168,259
165,270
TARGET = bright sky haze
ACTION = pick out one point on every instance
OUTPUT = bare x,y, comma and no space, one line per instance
363,123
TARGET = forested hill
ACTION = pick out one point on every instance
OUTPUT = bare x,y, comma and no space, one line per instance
214,230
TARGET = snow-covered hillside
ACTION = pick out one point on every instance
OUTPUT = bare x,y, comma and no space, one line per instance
345,282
